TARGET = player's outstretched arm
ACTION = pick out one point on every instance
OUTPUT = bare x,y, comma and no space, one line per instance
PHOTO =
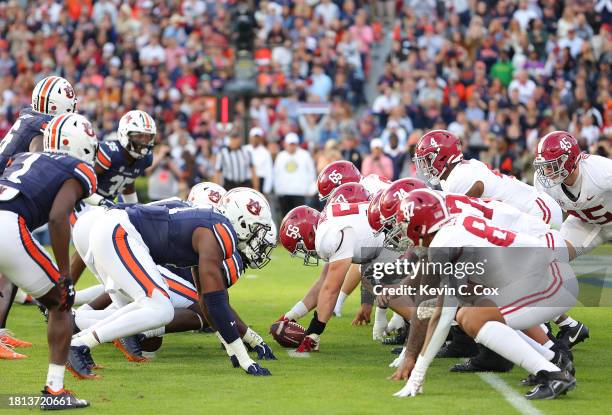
59,230
213,295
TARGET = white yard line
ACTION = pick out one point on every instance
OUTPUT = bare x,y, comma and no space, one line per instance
513,397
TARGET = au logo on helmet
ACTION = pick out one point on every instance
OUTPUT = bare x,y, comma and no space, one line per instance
214,196
69,92
254,207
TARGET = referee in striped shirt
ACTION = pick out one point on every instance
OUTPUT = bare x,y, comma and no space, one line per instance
234,166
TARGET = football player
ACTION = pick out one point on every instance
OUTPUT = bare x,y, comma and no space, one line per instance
439,158
532,290
332,176
342,237
39,188
129,243
51,96
582,185
117,167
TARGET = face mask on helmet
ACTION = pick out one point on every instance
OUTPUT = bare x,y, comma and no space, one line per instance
424,166
257,247
140,144
551,173
396,238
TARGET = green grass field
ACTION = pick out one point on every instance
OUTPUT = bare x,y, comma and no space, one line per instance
191,373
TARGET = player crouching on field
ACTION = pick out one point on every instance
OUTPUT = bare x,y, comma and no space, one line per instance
39,188
129,243
492,321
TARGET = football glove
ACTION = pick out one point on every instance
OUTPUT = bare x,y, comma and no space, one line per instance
256,342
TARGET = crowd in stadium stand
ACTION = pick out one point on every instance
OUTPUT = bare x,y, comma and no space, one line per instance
499,74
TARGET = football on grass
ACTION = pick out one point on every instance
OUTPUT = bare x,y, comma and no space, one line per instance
151,344
287,333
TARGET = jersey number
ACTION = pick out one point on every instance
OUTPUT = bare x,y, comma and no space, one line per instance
9,136
118,183
499,237
453,208
345,209
586,215
25,166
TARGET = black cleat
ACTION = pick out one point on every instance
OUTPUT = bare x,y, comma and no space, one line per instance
130,347
63,399
397,350
485,361
79,361
551,384
399,338
460,345
563,359
571,336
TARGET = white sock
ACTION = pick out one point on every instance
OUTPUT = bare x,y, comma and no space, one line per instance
85,307
544,327
88,294
568,322
55,377
549,344
540,348
339,302
155,332
87,339
298,311
506,342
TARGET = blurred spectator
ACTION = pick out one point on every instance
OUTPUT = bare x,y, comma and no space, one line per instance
234,166
164,175
349,150
377,162
504,159
294,174
262,160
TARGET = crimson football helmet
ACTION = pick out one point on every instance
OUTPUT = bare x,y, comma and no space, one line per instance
349,193
374,213
557,156
420,213
298,232
335,174
435,151
391,198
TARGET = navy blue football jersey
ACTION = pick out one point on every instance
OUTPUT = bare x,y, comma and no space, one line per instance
118,173
168,235
31,182
29,124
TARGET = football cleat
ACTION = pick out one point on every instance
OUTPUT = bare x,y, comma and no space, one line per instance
130,347
563,359
399,338
256,370
79,361
7,353
551,384
485,361
310,343
62,399
571,336
6,337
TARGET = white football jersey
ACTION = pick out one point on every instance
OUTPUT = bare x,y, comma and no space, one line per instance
500,213
344,232
502,266
496,185
594,202
373,183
